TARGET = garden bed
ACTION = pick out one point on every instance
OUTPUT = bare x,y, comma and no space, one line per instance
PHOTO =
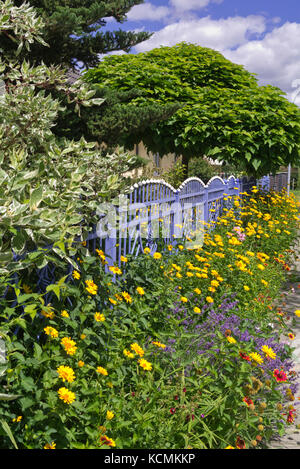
176,353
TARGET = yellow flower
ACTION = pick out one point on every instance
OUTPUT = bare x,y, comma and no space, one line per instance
51,331
69,345
126,297
115,270
109,415
140,291
99,317
209,299
147,251
66,395
51,445
157,255
127,353
66,373
159,344
214,283
260,266
170,247
17,419
246,288
112,301
197,310
123,259
137,349
65,314
198,291
76,274
102,371
91,287
82,336
297,313
80,364
231,340
269,352
145,364
256,357
184,299
48,314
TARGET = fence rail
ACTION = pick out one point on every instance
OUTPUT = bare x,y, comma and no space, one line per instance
155,212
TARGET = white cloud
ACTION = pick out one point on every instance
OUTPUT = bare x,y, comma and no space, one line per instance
275,58
148,12
187,5
219,34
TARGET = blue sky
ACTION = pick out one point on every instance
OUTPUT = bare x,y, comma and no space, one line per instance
261,35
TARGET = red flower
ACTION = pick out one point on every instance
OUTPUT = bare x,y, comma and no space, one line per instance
244,356
280,376
172,410
240,444
291,416
248,401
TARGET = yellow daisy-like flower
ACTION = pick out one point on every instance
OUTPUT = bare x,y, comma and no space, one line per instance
209,299
157,255
112,301
184,299
147,250
198,291
246,288
269,352
69,345
17,419
128,354
80,364
99,317
91,287
76,274
51,332
115,270
127,297
231,339
256,357
48,314
197,310
140,291
297,313
66,373
65,314
145,364
66,395
109,415
102,371
159,344
51,445
137,349
214,283
123,259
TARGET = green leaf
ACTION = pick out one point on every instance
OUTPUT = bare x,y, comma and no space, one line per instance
8,432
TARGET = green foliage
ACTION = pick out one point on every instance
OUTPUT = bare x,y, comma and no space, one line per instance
73,33
224,113
140,374
114,120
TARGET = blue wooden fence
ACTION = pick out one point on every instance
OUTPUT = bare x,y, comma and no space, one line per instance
154,212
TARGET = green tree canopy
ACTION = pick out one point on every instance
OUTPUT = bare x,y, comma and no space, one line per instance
223,112
72,30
